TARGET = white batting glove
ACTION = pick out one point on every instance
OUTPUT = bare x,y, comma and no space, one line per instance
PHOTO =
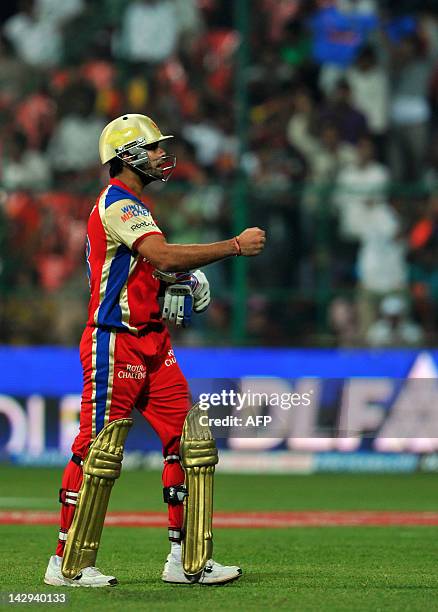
201,291
177,307
178,304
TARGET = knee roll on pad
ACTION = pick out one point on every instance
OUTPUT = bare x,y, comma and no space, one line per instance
174,495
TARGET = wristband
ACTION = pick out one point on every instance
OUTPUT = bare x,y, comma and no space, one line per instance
237,245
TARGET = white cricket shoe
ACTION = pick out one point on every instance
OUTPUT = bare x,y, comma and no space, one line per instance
88,577
213,573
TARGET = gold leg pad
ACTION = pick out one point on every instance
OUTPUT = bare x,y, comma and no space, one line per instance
101,468
198,458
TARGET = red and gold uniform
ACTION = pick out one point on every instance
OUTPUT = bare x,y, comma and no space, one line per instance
125,351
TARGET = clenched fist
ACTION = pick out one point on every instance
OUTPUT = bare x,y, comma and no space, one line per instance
251,241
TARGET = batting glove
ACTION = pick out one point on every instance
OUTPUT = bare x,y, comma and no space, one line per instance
178,304
185,292
200,290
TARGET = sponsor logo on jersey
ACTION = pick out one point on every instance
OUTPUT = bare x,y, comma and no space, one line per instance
137,372
170,359
133,210
137,226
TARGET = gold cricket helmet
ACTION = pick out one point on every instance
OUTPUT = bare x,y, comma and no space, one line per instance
129,137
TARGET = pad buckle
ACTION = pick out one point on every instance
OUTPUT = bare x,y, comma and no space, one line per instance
174,495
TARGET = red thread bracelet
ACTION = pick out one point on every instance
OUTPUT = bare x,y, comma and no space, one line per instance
237,245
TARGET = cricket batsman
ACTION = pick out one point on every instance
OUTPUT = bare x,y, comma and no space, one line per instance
128,362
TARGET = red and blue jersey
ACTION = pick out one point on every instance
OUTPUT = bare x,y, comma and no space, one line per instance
124,294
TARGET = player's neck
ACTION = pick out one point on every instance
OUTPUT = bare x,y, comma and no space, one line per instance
132,181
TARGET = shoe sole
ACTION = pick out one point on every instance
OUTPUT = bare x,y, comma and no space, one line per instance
218,583
227,581
58,583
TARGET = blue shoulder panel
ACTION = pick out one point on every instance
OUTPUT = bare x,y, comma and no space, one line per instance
115,193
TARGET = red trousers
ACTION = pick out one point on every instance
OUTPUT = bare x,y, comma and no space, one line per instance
122,372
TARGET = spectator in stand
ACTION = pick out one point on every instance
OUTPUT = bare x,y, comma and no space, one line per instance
410,112
151,29
342,318
428,26
303,118
423,243
276,15
24,168
394,328
382,267
324,155
35,116
339,29
73,144
296,45
187,171
58,12
363,179
36,38
14,74
341,113
370,94
205,134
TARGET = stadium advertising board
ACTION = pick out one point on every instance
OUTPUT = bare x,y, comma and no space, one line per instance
323,410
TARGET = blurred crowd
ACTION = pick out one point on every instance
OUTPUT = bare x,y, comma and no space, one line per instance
320,114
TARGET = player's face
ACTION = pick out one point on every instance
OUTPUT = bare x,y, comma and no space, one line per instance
155,151
159,162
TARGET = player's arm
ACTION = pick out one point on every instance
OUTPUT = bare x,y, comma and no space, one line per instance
181,257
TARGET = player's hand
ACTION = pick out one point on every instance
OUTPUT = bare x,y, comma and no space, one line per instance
178,304
252,241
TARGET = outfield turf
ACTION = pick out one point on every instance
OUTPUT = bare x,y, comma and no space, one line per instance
324,568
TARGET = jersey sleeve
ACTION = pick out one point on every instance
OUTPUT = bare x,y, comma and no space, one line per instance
129,222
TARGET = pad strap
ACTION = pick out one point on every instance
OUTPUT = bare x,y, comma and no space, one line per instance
67,497
77,459
172,459
174,495
175,534
63,535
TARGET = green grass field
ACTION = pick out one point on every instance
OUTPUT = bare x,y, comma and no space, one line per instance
323,568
